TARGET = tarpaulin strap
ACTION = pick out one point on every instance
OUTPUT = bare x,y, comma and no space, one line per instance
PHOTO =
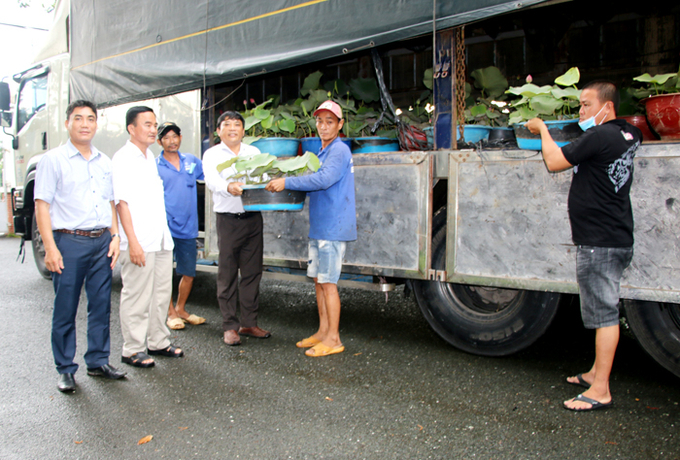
410,137
22,250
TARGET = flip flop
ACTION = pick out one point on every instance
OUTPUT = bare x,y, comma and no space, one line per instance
175,323
580,382
194,320
308,342
595,405
324,350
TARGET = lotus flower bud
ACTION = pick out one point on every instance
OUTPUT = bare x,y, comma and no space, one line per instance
530,78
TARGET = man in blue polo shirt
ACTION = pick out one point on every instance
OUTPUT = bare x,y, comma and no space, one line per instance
179,172
332,223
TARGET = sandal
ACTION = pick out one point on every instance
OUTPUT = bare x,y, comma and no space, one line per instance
194,320
170,352
320,349
308,342
175,323
137,360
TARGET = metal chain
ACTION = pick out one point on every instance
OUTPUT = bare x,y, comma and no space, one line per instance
460,78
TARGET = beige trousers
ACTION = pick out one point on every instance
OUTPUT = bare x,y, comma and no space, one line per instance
144,302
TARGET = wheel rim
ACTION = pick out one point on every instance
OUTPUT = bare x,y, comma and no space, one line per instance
481,300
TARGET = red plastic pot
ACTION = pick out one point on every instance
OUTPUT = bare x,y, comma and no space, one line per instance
640,122
663,113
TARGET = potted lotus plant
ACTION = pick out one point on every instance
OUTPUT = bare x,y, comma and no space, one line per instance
484,117
256,170
662,102
556,104
270,127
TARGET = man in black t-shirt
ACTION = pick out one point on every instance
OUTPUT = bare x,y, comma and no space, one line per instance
601,224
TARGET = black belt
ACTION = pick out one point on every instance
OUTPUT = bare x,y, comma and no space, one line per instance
91,233
239,215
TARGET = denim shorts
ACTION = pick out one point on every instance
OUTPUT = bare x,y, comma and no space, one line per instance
598,272
185,253
325,260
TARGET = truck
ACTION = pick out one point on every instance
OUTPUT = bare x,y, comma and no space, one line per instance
480,236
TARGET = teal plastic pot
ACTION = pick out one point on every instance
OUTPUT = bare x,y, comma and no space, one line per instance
562,132
313,144
474,133
256,198
374,144
278,146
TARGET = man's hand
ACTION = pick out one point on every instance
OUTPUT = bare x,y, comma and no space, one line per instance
276,185
53,260
136,253
234,188
114,250
534,125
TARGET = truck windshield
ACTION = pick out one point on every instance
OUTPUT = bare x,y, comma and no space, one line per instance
32,98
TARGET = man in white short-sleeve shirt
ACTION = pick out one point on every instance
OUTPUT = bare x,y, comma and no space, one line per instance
146,244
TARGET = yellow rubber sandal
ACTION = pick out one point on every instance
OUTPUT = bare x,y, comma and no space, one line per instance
324,350
308,342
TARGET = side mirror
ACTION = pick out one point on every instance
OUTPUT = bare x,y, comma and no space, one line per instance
4,96
5,114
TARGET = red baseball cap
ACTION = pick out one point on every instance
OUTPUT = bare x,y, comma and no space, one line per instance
332,107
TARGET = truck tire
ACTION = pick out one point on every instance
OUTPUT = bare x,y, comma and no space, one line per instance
481,320
39,250
656,327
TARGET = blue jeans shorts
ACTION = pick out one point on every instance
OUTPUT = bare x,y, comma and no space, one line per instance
325,260
185,253
598,272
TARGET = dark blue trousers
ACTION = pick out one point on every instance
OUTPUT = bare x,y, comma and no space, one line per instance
85,261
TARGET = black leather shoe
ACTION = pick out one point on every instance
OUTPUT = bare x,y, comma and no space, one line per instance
107,371
66,383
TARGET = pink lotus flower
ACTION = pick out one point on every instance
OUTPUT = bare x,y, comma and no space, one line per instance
530,78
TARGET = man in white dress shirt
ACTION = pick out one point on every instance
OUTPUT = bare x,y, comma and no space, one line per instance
146,244
239,234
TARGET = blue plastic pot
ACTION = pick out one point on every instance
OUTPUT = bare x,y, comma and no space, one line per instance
256,198
474,133
562,132
278,146
374,144
313,144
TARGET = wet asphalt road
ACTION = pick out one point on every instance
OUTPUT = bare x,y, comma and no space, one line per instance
397,392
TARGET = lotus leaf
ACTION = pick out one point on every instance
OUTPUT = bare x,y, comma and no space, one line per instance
428,79
490,80
268,122
570,77
566,93
310,83
227,164
529,90
251,121
478,110
658,79
365,89
337,87
546,105
287,125
254,161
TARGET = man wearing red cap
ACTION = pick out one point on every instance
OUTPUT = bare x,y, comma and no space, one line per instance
332,222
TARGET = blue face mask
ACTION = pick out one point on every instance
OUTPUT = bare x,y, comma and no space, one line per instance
590,122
